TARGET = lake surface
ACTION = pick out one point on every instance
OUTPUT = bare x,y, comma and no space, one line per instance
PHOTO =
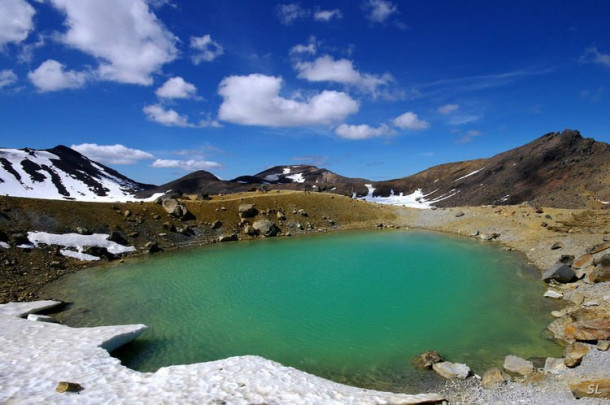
353,307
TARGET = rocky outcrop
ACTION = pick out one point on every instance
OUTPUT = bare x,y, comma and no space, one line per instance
247,211
174,207
452,371
594,329
266,228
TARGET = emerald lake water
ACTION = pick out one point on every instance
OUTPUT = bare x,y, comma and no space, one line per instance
352,307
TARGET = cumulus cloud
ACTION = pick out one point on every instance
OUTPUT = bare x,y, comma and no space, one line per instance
126,38
188,165
52,76
112,154
448,109
359,132
15,21
379,10
327,15
327,69
176,87
7,78
255,100
310,48
205,49
287,13
592,55
167,117
410,120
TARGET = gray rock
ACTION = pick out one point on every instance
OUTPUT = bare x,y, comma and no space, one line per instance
247,210
493,378
266,228
517,365
554,365
574,353
600,274
459,214
560,272
174,207
602,261
451,371
557,245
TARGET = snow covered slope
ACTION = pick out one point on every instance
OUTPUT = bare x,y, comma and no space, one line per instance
62,174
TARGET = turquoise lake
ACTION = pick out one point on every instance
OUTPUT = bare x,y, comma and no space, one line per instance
353,307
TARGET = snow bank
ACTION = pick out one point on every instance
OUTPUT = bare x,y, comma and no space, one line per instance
469,174
4,245
417,199
78,242
35,356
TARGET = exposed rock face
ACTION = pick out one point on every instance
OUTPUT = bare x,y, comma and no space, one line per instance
427,359
599,388
174,208
560,272
247,211
493,378
517,365
574,353
451,371
266,227
594,329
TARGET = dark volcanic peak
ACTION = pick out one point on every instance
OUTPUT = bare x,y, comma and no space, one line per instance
62,173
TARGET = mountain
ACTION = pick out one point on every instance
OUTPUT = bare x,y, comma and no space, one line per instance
62,174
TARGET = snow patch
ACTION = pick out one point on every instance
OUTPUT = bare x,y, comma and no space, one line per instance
469,174
78,242
297,178
78,255
4,245
417,199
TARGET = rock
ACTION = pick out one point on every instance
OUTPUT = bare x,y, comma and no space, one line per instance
599,388
247,211
577,298
249,230
451,371
554,366
591,303
599,248
567,259
459,214
281,216
485,236
493,378
174,208
583,261
574,353
553,294
127,213
216,224
600,274
228,238
99,251
603,345
517,365
266,228
428,358
474,233
594,329
82,231
152,247
602,261
544,224
303,213
118,237
557,245
65,386
560,272
558,326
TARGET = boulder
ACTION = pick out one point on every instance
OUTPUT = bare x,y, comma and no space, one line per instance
152,247
216,224
593,329
600,274
577,298
603,345
598,388
118,237
266,227
557,245
517,365
558,327
99,251
174,207
228,238
554,366
451,371
573,354
493,378
247,211
459,214
582,261
560,272
599,248
427,359
603,261
65,386
553,294
281,216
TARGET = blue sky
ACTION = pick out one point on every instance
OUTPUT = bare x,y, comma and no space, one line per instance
366,88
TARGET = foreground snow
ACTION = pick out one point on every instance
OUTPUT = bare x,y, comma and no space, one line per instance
417,199
78,242
35,356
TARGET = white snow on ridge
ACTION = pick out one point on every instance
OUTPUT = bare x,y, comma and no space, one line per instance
4,245
297,178
417,199
78,242
469,174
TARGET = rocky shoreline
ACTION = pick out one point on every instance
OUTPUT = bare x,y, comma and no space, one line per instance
570,239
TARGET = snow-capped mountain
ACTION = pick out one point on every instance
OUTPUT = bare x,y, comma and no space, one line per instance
62,174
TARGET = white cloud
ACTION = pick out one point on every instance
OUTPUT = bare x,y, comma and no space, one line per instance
409,120
359,132
255,100
7,78
27,50
128,40
310,48
51,76
112,154
167,117
379,10
592,55
448,109
176,87
287,13
463,119
188,165
468,136
206,49
327,15
15,21
327,69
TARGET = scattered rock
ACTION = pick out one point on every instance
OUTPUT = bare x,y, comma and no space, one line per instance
494,377
127,213
544,224
174,208
82,231
451,371
567,259
99,251
266,228
560,272
583,261
152,247
474,233
65,386
228,238
247,211
554,365
553,294
517,365
574,353
459,214
599,388
577,298
600,274
591,303
599,248
281,216
249,230
303,213
118,237
428,358
602,261
557,245
216,224
593,329
603,345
